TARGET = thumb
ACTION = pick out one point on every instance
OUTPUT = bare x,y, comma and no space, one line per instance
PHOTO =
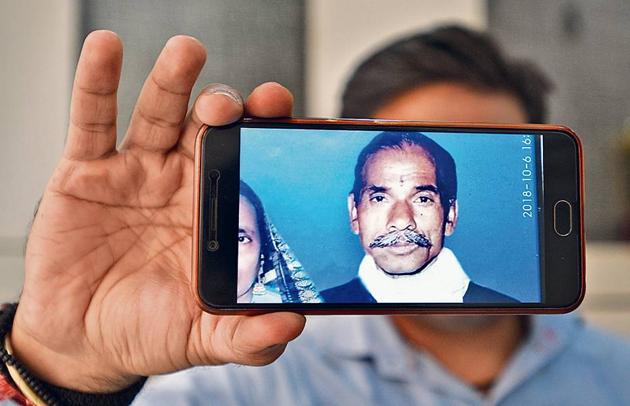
252,340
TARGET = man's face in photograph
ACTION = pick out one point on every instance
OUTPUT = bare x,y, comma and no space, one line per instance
400,219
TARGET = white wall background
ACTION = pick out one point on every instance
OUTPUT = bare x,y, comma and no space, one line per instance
339,34
38,56
37,48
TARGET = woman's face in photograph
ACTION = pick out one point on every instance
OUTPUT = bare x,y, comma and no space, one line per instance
248,246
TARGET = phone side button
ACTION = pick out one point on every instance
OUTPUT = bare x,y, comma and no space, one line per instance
562,218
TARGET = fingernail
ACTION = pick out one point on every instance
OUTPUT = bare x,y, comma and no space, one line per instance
219,88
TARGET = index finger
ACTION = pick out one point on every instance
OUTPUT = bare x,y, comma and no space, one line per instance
157,120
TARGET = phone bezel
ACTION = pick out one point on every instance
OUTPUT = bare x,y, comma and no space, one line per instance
568,264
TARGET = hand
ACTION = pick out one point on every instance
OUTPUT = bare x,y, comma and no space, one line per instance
107,294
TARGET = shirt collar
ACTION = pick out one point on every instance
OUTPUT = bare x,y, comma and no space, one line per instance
548,337
363,338
376,338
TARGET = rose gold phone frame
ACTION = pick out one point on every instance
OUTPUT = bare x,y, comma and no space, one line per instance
367,309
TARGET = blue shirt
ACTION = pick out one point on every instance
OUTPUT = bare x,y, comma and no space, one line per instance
361,360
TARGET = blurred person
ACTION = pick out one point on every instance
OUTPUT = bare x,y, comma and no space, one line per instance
106,332
446,74
267,267
402,206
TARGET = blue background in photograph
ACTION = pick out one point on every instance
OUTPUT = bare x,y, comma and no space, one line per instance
303,178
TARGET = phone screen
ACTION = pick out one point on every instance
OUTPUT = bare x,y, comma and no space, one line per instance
369,216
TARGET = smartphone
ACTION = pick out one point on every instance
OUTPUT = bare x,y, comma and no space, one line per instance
323,216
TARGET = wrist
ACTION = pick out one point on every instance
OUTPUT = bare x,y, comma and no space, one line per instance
23,384
67,371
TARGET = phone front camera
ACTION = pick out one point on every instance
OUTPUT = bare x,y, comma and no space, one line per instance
214,174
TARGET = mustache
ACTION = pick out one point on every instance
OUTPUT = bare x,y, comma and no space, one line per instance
395,236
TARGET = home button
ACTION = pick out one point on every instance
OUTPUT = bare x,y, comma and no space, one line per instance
563,218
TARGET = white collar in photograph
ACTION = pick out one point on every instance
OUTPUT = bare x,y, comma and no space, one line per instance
442,281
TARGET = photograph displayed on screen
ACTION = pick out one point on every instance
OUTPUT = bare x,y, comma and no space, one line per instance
364,216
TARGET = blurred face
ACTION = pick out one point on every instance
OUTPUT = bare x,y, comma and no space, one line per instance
444,101
248,247
400,219
447,101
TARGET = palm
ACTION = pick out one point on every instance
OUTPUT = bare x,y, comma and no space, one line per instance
107,289
126,220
